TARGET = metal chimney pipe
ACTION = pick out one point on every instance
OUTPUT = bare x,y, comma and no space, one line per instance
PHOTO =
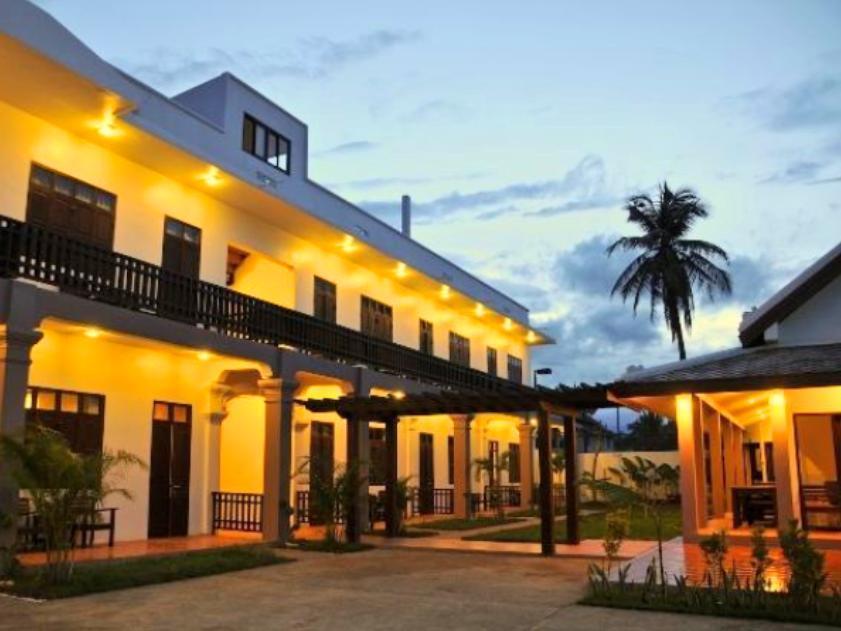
406,211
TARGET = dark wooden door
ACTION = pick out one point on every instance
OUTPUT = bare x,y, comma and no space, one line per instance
182,257
426,474
169,470
321,464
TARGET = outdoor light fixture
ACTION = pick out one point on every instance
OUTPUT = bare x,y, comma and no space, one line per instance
399,394
507,325
531,337
203,355
541,371
211,177
348,244
92,332
401,270
445,292
480,309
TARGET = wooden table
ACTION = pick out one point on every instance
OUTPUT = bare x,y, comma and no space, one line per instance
755,504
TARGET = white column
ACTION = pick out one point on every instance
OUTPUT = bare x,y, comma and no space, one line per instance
15,347
526,464
689,437
277,468
785,459
461,465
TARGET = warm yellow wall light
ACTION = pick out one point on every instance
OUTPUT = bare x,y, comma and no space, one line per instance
203,355
445,292
211,177
507,325
92,332
401,270
348,244
480,309
777,399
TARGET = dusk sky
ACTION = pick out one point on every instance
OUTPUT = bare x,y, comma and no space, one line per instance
519,128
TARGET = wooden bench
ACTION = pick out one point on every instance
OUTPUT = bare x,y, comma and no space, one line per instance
82,533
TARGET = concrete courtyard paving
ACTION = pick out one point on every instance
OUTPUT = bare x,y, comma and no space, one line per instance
380,589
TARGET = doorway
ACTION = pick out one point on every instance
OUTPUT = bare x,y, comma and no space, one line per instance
321,466
169,470
818,439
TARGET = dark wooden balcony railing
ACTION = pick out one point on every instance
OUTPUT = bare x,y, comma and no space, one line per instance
241,512
29,251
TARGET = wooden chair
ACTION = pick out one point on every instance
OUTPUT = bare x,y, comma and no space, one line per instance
94,520
28,532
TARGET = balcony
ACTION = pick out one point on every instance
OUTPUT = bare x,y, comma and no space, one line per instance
31,252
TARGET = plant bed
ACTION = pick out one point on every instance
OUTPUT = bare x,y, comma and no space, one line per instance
103,576
407,534
458,523
703,601
334,547
591,527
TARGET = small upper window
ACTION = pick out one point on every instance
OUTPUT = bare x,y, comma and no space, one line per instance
515,369
264,143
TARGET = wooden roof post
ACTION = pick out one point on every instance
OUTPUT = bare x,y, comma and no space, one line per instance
392,510
571,479
352,520
547,511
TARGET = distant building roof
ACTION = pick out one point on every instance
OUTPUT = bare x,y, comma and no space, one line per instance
790,298
739,369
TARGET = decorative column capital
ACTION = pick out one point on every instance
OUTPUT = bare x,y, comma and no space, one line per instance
526,429
16,344
462,421
275,390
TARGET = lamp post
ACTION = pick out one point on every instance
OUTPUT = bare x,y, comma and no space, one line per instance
541,371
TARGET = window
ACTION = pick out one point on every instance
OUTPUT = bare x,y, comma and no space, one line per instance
451,460
182,248
73,208
264,143
492,361
79,417
377,457
515,369
324,297
427,344
376,319
513,463
459,349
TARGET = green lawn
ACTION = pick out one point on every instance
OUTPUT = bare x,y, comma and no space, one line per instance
103,576
456,523
591,527
336,547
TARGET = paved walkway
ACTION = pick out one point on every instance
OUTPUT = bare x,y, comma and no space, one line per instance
453,541
378,589
147,547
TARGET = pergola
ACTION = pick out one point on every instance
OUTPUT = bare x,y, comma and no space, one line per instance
541,402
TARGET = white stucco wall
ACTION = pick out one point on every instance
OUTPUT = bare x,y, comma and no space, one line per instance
818,321
145,197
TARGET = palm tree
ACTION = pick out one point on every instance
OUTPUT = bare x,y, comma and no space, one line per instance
670,265
63,486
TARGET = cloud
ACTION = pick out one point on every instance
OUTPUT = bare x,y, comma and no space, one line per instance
583,186
382,182
812,103
435,110
826,180
754,280
795,173
356,146
309,58
587,269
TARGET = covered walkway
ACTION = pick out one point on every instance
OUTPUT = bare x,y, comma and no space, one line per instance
543,404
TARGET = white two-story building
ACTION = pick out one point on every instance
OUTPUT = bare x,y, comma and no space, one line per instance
173,281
